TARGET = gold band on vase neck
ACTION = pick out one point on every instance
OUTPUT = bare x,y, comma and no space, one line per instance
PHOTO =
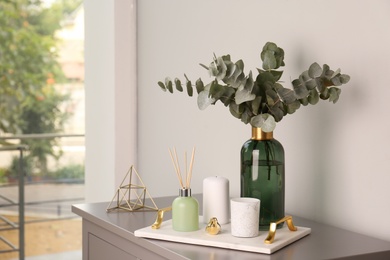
258,134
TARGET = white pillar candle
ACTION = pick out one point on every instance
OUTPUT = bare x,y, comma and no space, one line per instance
216,199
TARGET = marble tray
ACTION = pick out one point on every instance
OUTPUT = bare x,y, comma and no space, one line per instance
224,239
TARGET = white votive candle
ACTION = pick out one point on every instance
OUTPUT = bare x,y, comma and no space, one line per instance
216,199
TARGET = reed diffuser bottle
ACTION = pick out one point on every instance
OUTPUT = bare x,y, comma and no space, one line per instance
185,212
185,208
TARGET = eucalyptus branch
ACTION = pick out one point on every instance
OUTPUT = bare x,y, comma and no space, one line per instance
264,101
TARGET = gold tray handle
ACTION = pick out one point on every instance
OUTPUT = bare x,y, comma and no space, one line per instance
272,228
160,216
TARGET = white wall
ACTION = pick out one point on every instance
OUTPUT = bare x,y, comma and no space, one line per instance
110,82
337,156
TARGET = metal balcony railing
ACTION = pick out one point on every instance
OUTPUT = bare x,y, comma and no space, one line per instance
20,203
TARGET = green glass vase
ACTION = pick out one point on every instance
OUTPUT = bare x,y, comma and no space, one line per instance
262,175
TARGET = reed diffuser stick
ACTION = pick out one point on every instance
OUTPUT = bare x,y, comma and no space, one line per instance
176,170
185,162
178,166
191,166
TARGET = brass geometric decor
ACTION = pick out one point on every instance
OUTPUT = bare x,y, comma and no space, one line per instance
131,197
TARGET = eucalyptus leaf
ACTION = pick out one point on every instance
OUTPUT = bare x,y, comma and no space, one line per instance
334,94
271,93
249,82
270,101
265,77
246,116
240,65
228,95
236,79
226,58
190,90
329,74
269,61
311,84
336,73
244,91
213,69
231,68
277,112
291,108
237,73
325,69
344,79
178,85
257,121
264,121
304,101
244,96
277,74
162,86
287,95
168,84
216,90
336,81
325,94
235,110
299,88
276,86
199,85
304,77
275,51
222,69
204,99
315,70
256,105
313,97
320,85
